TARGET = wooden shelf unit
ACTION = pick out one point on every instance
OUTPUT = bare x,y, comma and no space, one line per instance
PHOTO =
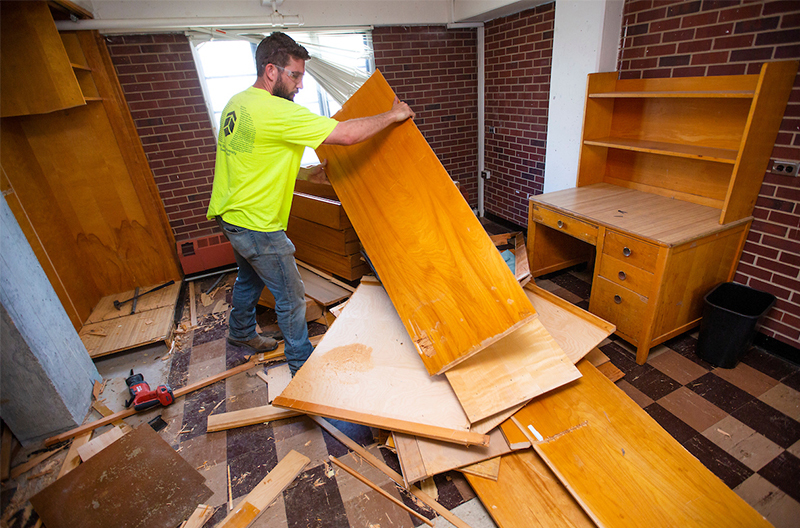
77,60
668,175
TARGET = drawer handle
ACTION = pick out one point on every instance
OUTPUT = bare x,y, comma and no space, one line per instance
626,251
560,224
622,275
617,299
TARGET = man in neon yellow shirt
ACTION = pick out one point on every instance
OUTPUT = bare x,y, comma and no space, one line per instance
262,137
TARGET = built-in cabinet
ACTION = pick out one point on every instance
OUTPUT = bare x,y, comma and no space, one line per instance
669,172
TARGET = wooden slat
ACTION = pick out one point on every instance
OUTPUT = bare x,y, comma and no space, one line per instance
389,472
622,467
244,417
266,491
380,491
73,459
255,360
324,275
339,241
349,267
366,369
32,463
322,290
454,293
524,364
320,210
528,495
199,517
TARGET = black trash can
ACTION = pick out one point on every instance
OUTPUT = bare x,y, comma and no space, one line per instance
728,327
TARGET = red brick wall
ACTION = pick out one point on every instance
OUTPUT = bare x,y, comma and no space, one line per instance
435,71
161,85
678,39
519,50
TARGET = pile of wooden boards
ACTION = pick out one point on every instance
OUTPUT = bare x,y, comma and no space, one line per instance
322,234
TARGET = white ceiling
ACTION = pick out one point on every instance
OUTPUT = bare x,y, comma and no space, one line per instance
315,13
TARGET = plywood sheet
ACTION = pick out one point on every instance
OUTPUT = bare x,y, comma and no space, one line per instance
366,369
487,469
127,332
321,289
622,467
524,364
104,310
528,495
139,480
454,293
421,458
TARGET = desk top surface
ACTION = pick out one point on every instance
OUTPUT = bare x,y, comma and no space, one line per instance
659,218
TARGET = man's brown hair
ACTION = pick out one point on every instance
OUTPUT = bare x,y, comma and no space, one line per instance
276,49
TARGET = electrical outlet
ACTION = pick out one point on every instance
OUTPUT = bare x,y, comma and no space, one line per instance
786,168
486,175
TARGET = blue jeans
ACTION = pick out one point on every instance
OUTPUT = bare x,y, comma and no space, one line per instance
267,259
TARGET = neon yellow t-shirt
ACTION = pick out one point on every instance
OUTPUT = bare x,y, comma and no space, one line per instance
260,145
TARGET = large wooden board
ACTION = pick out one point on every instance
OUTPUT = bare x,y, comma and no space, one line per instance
139,480
128,332
366,369
621,466
528,495
454,293
104,310
524,364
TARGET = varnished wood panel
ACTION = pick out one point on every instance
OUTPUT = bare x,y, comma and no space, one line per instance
520,366
366,367
339,241
621,466
528,495
454,293
35,72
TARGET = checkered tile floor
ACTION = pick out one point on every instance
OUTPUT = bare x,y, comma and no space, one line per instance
741,423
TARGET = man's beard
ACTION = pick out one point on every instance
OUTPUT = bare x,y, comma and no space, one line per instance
281,90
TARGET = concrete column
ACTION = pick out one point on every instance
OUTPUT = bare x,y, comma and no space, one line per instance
46,375
585,40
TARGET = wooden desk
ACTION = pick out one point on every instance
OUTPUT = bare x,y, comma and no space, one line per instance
655,257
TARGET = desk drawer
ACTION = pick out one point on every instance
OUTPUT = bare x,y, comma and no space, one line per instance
626,275
620,306
631,250
565,223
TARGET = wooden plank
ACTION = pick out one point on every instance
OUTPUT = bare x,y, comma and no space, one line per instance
244,417
610,371
349,267
524,364
398,196
421,458
255,360
614,458
366,369
199,517
277,379
489,469
192,305
389,472
340,241
5,453
133,481
320,210
31,463
322,290
165,297
361,478
101,442
321,273
596,357
313,308
528,495
73,459
266,491
128,332
103,409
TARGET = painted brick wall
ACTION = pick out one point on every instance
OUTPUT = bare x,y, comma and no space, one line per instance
716,37
435,71
519,50
161,85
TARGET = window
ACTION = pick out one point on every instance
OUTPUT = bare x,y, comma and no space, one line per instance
340,63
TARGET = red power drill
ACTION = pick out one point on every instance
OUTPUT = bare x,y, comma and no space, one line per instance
144,398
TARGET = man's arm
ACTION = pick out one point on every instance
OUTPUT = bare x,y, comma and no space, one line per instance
355,131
